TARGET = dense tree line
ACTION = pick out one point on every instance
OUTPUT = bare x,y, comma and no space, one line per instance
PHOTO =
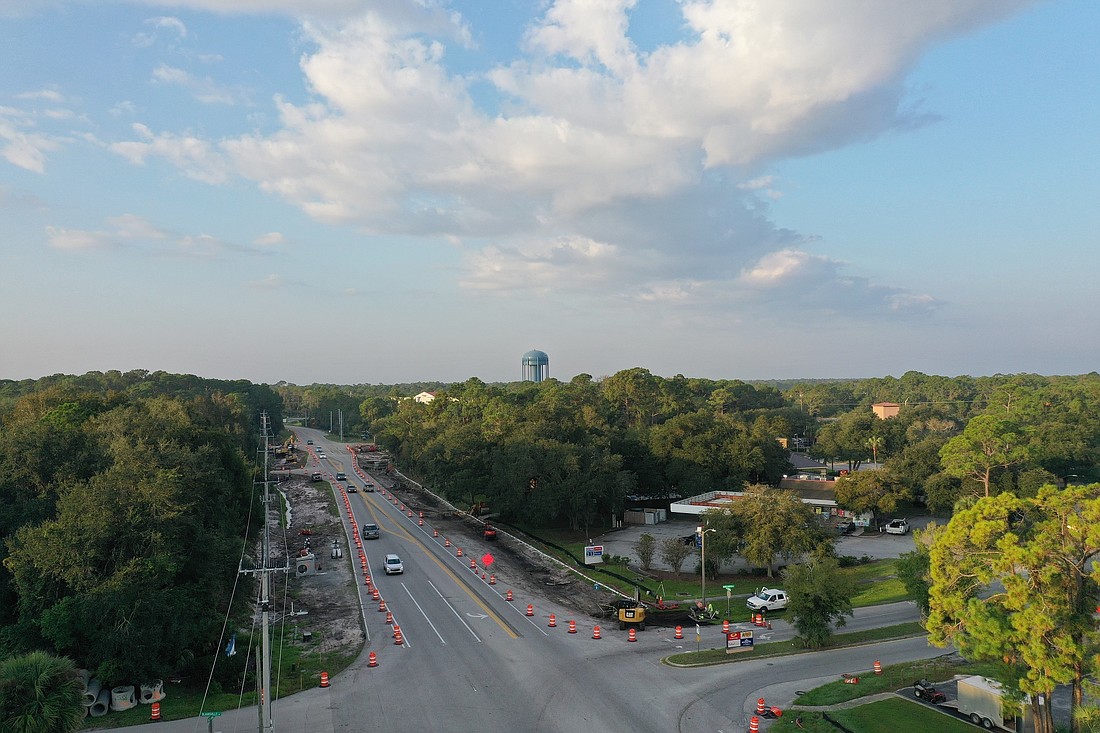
124,500
569,452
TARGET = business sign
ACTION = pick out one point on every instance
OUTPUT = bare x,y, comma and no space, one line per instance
738,641
593,554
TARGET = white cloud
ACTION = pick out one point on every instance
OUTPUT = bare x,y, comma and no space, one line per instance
204,89
271,282
136,234
270,239
20,144
640,175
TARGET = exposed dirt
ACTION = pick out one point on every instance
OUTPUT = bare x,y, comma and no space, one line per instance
330,595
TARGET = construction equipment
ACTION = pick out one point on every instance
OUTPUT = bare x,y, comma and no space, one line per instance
631,612
490,532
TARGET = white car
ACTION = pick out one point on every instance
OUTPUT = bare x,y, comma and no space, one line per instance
767,599
321,455
393,565
897,526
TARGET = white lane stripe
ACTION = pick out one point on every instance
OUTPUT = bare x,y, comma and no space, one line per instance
455,611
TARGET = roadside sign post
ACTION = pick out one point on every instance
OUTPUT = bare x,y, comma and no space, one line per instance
729,595
593,554
210,719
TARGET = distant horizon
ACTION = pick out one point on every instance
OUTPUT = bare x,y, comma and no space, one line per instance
565,380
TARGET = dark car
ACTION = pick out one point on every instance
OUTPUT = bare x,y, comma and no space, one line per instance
315,476
341,476
352,489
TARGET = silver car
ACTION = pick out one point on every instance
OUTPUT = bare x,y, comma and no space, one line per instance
393,565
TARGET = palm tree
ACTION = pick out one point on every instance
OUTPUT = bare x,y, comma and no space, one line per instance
874,443
40,693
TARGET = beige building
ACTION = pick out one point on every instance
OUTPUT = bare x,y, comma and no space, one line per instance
886,410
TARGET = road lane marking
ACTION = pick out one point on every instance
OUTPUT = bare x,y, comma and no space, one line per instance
455,612
422,613
400,530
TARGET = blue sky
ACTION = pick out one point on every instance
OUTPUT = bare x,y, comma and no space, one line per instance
345,191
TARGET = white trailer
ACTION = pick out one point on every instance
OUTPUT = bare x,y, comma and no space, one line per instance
980,698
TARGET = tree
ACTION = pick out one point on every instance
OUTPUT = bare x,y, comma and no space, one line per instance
40,693
820,596
773,522
987,443
868,491
1011,584
646,546
913,568
846,439
674,551
874,443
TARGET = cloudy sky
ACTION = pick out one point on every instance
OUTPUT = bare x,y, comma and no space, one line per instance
382,191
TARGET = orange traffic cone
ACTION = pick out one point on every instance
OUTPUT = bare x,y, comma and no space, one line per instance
754,725
324,679
458,552
633,635
397,638
435,533
572,626
492,579
389,618
553,621
596,632
530,610
878,667
508,596
473,564
372,660
725,627
381,603
760,707
446,542
679,632
154,714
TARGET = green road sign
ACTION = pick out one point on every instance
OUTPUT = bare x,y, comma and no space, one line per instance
211,714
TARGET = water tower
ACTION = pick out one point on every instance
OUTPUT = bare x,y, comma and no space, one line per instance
535,366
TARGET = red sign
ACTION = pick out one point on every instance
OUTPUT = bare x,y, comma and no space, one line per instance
486,559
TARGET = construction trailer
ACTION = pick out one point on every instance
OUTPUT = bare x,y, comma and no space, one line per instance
981,700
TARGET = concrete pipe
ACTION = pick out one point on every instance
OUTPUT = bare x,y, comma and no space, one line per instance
91,692
102,703
152,692
123,698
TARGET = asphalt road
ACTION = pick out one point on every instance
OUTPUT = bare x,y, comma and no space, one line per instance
472,661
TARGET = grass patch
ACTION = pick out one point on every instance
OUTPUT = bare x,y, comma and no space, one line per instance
298,669
893,677
782,648
877,717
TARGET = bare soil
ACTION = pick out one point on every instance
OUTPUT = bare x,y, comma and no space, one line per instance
330,595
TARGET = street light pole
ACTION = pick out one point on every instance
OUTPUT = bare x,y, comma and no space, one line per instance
703,562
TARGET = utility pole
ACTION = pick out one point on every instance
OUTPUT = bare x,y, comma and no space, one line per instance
340,415
263,675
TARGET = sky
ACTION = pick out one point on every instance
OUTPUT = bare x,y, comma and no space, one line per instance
391,191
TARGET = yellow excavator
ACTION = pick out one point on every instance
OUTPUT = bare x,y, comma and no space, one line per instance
631,612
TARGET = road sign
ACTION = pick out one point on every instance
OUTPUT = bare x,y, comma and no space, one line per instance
593,554
738,641
210,714
729,590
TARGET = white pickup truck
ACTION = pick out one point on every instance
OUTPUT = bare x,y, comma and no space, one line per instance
767,599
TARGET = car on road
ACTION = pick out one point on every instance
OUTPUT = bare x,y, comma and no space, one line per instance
352,489
393,565
368,486
369,532
897,526
767,599
315,476
321,455
341,476
309,442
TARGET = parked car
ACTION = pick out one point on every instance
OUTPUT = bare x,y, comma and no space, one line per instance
897,526
767,599
393,565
